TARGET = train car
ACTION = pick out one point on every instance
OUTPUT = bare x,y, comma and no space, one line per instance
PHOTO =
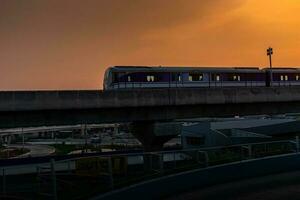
127,77
282,77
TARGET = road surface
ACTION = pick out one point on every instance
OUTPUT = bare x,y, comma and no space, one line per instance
34,150
272,187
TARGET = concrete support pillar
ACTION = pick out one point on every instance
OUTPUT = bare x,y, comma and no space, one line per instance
153,135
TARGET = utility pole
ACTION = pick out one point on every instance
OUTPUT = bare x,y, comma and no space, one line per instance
269,53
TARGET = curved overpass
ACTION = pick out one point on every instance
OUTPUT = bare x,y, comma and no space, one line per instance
228,181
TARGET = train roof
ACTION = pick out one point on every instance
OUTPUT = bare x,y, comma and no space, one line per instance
182,69
284,69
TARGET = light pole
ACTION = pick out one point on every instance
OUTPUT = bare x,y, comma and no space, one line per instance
269,53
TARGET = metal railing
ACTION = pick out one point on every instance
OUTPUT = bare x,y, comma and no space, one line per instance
192,84
84,177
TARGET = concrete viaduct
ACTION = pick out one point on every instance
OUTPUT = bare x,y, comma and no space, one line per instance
142,107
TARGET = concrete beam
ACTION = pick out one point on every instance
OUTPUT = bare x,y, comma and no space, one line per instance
45,108
153,135
64,100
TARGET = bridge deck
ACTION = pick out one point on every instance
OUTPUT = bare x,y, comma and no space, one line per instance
46,108
62,100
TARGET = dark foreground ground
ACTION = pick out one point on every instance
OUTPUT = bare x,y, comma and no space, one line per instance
284,186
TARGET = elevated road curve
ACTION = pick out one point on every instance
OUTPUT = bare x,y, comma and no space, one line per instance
41,108
272,187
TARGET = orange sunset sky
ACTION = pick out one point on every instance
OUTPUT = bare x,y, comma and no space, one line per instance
67,44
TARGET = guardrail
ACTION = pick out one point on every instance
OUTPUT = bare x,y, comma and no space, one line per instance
84,177
179,84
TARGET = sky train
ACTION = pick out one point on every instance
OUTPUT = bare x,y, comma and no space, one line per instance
129,77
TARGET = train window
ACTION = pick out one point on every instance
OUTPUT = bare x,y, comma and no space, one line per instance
216,77
129,78
196,77
284,77
150,78
201,77
115,77
281,78
236,78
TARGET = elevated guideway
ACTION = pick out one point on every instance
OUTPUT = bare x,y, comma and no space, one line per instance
46,108
151,108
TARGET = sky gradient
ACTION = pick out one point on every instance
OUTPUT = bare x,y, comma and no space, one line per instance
67,44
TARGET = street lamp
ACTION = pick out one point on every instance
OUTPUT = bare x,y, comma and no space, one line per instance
269,53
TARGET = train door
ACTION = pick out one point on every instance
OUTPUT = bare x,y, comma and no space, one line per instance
284,80
216,80
176,80
268,79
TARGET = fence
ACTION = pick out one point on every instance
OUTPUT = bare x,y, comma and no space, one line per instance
85,177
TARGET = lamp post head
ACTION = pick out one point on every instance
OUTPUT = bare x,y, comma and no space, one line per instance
269,51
